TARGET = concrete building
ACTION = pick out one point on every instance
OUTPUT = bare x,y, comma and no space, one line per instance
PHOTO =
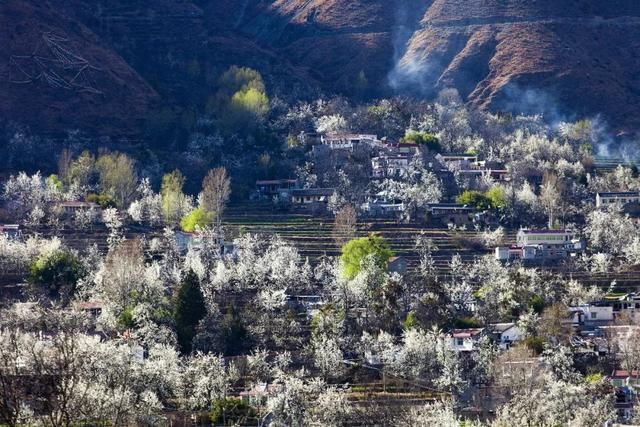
308,196
451,213
348,141
398,264
383,209
465,339
274,188
623,198
505,334
541,246
11,231
387,166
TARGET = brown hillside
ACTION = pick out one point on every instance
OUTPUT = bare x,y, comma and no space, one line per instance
568,57
56,75
574,57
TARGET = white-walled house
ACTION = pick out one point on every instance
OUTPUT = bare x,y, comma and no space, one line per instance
348,141
506,334
592,313
541,246
605,199
306,196
465,339
526,237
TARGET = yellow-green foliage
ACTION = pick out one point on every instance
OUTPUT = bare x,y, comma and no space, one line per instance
251,100
242,99
118,177
171,193
422,138
358,249
198,218
492,199
54,182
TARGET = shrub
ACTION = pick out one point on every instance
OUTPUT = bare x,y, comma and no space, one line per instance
56,274
492,199
536,344
410,321
356,250
422,138
198,218
105,201
126,318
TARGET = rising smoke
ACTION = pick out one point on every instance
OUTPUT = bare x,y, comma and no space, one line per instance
408,74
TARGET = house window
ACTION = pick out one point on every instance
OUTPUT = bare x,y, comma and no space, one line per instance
459,342
594,315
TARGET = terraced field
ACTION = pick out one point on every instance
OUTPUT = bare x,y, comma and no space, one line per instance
312,235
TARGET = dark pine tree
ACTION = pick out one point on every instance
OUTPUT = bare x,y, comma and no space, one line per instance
189,309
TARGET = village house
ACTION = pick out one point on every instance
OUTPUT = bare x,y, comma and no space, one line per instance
199,240
380,208
401,148
626,385
68,210
11,231
505,334
311,196
71,207
610,308
274,189
92,308
464,340
459,161
475,174
607,199
258,395
537,246
451,213
388,166
348,141
591,314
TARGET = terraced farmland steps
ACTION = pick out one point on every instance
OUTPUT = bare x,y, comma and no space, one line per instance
312,235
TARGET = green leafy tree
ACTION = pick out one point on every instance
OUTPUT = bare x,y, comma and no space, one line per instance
81,171
357,250
54,182
189,309
103,200
198,218
171,195
492,199
473,198
496,197
241,101
55,274
118,177
422,138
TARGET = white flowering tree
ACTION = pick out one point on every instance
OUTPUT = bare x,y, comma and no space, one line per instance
205,379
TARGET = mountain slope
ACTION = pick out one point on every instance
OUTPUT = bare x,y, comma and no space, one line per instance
566,58
57,75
